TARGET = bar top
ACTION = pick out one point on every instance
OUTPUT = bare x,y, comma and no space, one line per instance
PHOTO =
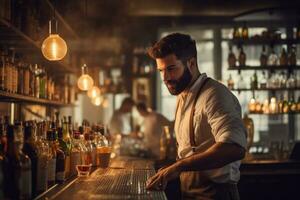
125,178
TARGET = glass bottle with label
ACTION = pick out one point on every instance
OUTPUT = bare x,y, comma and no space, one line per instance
60,159
42,163
76,153
37,81
292,56
263,82
263,57
273,58
292,105
17,166
236,33
51,159
30,148
66,145
2,69
245,33
254,82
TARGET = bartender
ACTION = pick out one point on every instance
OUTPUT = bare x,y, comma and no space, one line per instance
209,130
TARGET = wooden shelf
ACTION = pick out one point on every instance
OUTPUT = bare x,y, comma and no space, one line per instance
264,41
266,89
11,97
274,114
268,67
11,35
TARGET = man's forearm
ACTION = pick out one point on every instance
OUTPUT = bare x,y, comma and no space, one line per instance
219,155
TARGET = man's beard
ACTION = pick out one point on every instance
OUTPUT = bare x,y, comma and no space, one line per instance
175,87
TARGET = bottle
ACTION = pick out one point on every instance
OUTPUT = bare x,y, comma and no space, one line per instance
298,104
7,74
292,105
42,84
245,34
51,159
292,56
2,69
280,104
60,159
230,82
89,149
26,79
285,107
263,57
103,148
242,57
67,145
37,81
273,58
283,57
254,83
249,124
76,153
273,107
32,81
291,82
17,166
231,58
236,33
94,148
282,80
263,82
42,163
30,149
241,84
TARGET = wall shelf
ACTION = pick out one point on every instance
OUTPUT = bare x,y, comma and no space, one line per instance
266,89
264,41
11,35
268,67
18,98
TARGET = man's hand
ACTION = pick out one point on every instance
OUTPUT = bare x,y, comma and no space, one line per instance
160,179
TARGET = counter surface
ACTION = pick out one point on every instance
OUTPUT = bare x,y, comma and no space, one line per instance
124,179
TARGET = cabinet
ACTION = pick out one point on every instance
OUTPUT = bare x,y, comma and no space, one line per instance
22,30
272,94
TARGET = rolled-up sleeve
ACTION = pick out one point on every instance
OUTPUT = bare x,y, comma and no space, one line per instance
224,116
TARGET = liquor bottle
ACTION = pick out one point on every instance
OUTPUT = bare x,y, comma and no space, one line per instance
103,148
241,84
230,82
263,57
7,74
89,149
236,33
94,149
30,149
26,79
292,105
285,107
3,137
298,104
51,158
245,33
21,76
292,56
2,69
254,83
42,84
291,82
282,80
37,81
60,158
66,145
273,107
32,81
263,82
280,104
242,57
249,124
76,153
273,58
17,166
283,57
42,163
231,58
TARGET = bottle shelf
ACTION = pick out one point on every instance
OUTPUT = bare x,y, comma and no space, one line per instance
264,41
275,114
268,67
12,97
12,36
266,89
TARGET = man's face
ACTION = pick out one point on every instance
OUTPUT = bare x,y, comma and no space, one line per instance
174,73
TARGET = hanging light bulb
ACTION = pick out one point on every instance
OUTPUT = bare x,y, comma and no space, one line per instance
85,82
54,47
93,92
97,101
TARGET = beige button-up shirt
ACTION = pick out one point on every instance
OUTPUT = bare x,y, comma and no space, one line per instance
217,118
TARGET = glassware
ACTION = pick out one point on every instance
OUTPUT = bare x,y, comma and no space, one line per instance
273,58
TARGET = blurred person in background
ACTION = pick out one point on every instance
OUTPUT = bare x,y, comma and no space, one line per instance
120,122
153,123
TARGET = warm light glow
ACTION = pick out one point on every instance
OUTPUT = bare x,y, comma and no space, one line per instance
105,103
85,82
97,100
54,47
93,92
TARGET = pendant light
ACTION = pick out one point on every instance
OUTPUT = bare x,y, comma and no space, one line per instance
97,101
85,82
54,47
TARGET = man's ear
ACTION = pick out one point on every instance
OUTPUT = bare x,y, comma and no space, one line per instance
192,63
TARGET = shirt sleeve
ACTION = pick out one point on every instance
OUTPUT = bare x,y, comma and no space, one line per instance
224,116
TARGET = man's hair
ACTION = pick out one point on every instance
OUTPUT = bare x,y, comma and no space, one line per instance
182,45
141,106
127,101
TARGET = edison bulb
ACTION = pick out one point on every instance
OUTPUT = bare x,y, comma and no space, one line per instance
85,82
97,100
54,47
93,92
